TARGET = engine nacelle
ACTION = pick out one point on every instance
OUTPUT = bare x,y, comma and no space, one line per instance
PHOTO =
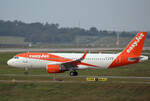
54,68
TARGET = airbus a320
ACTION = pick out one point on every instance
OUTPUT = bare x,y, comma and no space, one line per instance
61,62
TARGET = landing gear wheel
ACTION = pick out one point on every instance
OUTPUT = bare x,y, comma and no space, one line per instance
73,73
26,73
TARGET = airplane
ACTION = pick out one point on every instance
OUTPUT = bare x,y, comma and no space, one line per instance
61,62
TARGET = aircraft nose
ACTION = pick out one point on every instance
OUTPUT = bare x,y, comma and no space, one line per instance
9,62
13,63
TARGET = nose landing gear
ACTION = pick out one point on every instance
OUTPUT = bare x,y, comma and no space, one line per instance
73,73
26,71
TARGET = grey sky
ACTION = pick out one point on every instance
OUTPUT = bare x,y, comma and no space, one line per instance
103,14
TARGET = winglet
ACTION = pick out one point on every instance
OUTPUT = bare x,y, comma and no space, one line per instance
83,57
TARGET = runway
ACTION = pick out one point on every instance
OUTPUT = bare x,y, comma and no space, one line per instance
60,79
73,81
80,76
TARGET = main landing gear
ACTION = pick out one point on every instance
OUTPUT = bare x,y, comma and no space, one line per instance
73,73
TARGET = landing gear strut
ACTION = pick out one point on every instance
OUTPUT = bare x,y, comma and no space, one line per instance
26,71
73,73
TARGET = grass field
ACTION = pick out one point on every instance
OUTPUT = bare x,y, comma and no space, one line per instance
74,88
12,40
106,41
109,41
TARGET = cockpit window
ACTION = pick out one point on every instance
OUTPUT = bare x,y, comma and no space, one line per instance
15,57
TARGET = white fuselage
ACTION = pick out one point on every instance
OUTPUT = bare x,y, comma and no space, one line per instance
57,62
99,60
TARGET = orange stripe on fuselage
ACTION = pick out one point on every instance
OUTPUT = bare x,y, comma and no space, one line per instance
44,56
50,57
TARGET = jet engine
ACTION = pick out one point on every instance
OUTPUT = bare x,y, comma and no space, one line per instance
54,68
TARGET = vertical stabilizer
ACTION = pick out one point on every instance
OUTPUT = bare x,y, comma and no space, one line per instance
132,52
135,47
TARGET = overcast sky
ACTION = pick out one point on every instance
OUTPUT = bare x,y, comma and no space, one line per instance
103,14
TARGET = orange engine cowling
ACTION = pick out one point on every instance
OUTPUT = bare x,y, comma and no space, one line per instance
54,68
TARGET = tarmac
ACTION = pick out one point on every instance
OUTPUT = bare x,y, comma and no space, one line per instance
147,79
62,76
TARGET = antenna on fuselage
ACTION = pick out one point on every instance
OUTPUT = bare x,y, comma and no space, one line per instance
29,46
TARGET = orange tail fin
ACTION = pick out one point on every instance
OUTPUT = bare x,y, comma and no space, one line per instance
133,50
135,47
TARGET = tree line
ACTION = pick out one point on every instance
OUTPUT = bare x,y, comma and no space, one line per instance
51,33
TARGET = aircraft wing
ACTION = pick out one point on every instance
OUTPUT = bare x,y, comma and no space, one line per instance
74,63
